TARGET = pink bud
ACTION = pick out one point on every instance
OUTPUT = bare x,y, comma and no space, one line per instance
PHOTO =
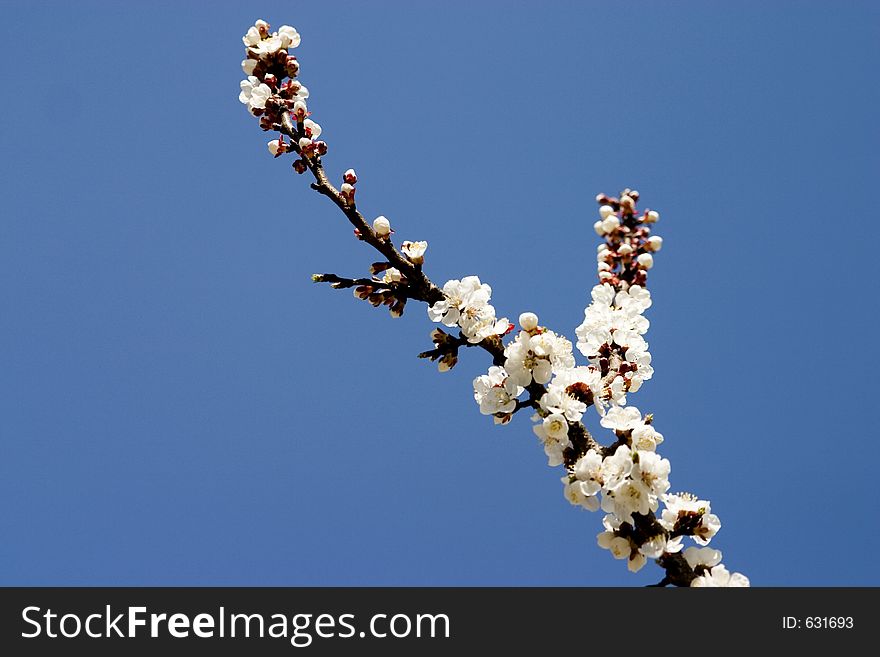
350,177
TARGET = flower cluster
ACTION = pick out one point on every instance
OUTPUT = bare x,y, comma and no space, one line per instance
466,305
611,337
271,89
534,356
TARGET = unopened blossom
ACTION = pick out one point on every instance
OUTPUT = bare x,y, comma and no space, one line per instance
277,147
254,93
528,321
610,223
652,216
495,393
381,226
414,251
605,211
350,177
300,110
719,577
655,242
645,260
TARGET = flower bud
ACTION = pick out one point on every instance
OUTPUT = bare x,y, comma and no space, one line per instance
277,147
321,147
528,321
652,216
382,227
627,204
645,260
312,129
599,227
605,211
347,192
610,223
624,249
300,166
655,242
350,177
300,109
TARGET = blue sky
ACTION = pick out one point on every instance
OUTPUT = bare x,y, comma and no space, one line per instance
179,404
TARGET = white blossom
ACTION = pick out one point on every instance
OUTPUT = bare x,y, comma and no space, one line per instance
536,356
645,438
720,577
564,393
313,130
289,37
248,66
577,492
616,468
466,304
495,393
621,418
415,251
554,436
685,506
645,260
588,471
702,556
254,93
652,472
618,545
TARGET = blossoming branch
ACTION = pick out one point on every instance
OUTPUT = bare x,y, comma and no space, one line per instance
533,366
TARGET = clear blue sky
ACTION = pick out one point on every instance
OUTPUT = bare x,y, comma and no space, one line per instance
179,404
